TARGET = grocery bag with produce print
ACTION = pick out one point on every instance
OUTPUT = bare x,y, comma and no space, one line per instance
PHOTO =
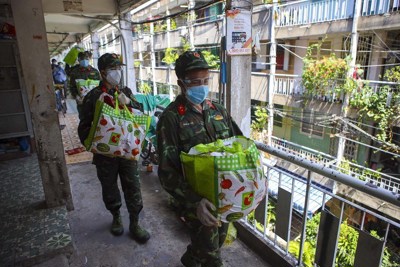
85,86
116,132
228,173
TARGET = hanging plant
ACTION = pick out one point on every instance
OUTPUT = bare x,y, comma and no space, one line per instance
145,88
320,76
212,60
171,55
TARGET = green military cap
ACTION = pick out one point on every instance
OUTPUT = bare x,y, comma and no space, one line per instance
190,60
84,54
108,60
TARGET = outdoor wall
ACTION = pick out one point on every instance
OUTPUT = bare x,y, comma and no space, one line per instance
320,144
284,132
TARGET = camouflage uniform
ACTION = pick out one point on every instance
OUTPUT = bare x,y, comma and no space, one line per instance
78,72
108,168
192,128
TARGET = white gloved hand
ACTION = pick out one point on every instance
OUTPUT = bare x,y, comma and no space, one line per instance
123,99
204,215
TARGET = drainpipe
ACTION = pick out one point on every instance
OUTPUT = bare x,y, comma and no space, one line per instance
353,53
271,83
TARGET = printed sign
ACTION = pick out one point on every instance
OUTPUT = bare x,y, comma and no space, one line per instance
238,32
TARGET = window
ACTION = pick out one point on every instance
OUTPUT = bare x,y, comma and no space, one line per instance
309,124
159,55
264,58
350,148
364,50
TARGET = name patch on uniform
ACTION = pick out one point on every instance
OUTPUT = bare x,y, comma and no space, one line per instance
187,123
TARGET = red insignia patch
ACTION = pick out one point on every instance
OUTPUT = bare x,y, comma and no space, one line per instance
196,54
181,109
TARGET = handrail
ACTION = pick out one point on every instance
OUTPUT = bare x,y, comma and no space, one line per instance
335,175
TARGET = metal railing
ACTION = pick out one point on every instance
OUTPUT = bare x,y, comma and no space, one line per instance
309,12
314,12
372,177
288,232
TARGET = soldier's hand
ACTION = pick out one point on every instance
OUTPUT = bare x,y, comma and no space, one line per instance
204,215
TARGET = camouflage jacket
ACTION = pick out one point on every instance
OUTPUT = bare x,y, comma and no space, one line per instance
86,115
78,72
181,127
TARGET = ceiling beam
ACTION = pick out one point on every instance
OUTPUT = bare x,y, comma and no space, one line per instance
70,28
98,7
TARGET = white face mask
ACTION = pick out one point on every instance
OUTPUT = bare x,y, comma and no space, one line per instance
113,77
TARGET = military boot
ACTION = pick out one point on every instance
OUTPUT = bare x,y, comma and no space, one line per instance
116,227
138,233
188,261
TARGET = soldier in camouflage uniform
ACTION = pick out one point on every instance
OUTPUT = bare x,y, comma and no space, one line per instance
108,168
190,120
81,71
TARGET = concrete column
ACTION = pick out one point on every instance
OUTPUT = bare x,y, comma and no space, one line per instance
127,52
271,81
238,99
34,53
353,53
95,46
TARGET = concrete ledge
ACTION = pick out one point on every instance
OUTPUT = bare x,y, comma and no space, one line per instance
262,248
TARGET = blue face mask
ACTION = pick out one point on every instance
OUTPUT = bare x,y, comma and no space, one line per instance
197,94
84,63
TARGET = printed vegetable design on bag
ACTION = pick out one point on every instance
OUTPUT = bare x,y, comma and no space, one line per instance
237,184
116,132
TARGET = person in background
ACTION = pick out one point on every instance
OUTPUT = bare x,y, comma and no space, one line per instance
108,168
84,71
53,63
190,120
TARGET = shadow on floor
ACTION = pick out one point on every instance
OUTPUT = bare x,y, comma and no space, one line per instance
95,246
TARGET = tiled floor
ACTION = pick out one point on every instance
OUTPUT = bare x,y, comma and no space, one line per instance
71,140
28,231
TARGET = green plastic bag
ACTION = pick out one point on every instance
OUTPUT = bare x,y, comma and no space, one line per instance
231,235
72,55
116,132
85,86
228,173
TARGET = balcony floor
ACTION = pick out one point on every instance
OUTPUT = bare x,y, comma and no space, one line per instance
56,237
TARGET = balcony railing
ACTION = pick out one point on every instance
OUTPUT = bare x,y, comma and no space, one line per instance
308,12
285,228
314,12
372,177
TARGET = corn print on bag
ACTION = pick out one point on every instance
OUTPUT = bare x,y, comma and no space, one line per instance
228,173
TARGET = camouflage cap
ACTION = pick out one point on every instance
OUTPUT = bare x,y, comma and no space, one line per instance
108,60
85,54
190,60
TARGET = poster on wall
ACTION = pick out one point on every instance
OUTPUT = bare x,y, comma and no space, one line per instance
238,32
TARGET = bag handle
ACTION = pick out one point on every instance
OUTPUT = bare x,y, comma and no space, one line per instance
219,146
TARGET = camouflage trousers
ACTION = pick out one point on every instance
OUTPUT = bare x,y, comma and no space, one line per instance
108,170
205,243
